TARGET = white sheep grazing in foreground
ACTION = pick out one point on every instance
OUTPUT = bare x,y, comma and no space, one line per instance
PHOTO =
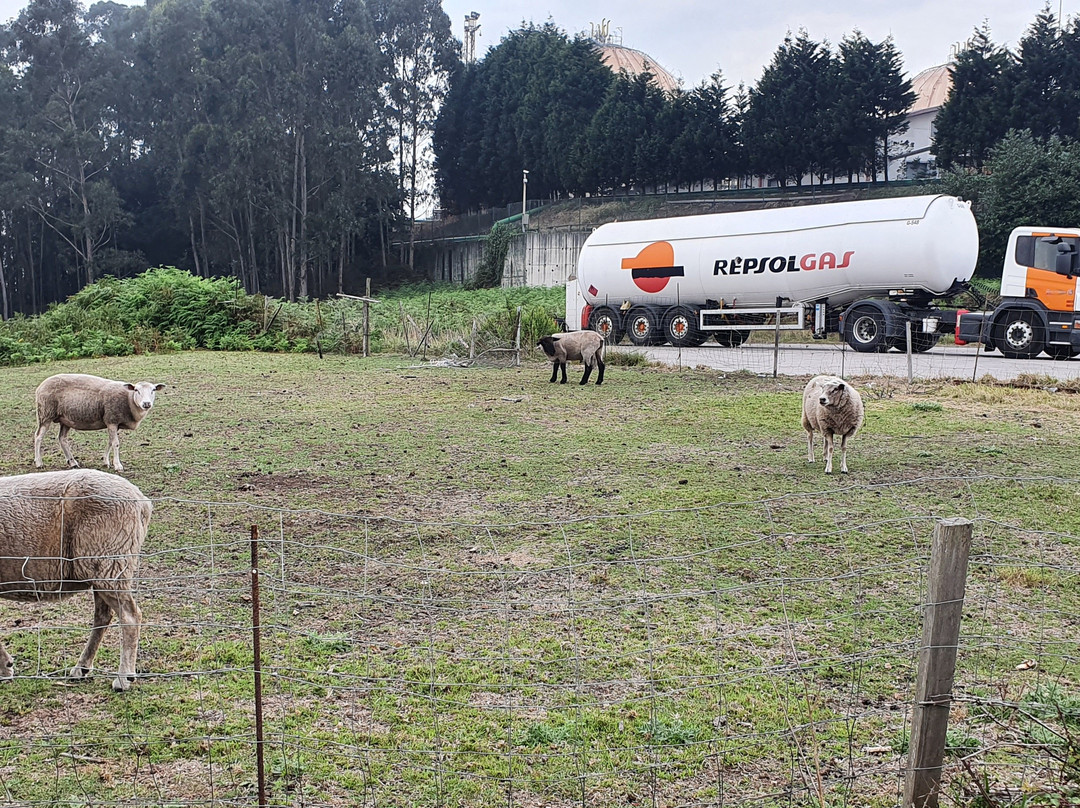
831,406
63,532
588,346
83,402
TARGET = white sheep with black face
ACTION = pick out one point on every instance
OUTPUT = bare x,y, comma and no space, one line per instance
831,406
63,532
588,346
84,402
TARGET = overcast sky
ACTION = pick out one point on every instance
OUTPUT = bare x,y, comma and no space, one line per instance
694,38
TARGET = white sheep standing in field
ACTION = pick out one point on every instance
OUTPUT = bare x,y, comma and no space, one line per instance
588,346
63,532
84,402
831,406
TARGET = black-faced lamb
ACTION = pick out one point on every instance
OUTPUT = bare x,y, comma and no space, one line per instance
63,532
831,406
588,346
84,402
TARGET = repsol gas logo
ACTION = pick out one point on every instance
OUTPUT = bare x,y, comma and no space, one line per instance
781,263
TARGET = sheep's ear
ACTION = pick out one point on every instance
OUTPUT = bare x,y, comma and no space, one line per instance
129,386
158,387
840,387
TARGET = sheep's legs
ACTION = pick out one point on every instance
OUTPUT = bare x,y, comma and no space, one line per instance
41,430
65,444
113,447
585,376
103,615
562,366
7,663
130,617
600,370
843,454
828,452
809,446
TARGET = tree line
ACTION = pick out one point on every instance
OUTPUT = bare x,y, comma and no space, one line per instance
274,141
289,144
544,101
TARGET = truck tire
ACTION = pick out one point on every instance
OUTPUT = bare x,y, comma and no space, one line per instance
642,327
1018,334
681,328
866,330
607,322
731,339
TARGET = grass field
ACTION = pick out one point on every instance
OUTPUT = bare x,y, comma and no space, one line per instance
482,589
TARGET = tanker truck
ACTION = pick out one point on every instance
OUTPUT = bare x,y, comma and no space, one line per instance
862,269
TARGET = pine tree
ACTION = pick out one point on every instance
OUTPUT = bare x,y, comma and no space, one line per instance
975,115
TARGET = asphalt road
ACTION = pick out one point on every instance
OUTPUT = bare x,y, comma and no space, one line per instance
966,362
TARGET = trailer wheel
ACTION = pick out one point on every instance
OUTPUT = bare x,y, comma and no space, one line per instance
681,328
1018,335
641,326
866,330
731,339
607,322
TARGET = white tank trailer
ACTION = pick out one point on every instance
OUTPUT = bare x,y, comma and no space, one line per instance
864,269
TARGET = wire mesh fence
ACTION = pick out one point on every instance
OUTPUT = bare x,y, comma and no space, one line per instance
764,356
746,653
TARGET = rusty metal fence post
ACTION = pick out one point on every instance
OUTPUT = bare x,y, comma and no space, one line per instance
256,636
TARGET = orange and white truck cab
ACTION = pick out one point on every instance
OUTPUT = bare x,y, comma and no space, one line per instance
1040,307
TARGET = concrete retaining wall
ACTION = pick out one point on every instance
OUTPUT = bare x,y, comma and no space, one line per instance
541,258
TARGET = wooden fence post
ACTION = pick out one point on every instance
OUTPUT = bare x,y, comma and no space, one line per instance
937,661
367,319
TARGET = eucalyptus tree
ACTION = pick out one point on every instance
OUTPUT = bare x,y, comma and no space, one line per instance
268,114
11,208
415,38
975,115
69,74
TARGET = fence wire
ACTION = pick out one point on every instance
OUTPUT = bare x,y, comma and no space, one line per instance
741,654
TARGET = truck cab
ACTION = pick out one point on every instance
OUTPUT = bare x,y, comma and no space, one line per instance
1040,307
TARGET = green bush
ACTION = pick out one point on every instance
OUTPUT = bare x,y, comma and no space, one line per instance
167,309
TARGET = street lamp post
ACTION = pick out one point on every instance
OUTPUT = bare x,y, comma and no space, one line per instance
524,185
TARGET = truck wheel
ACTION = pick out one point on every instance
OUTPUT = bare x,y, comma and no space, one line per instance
866,330
1018,335
641,326
607,322
681,329
731,339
